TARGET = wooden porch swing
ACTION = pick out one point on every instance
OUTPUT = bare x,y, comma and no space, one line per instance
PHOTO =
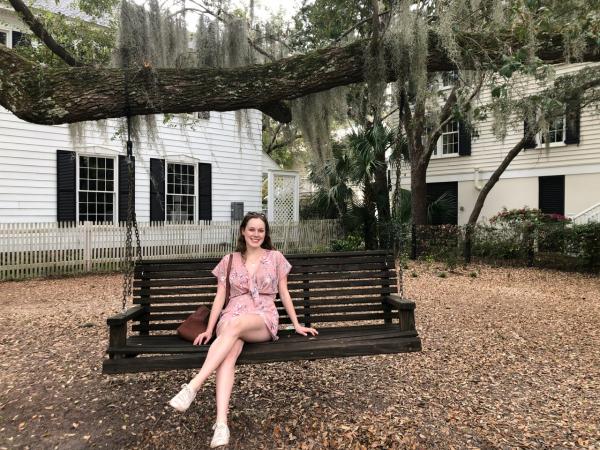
351,297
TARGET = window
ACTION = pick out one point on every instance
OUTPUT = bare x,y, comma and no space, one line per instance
4,38
204,115
96,194
448,79
181,193
448,143
556,132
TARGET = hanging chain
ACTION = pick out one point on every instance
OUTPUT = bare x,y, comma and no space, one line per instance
128,263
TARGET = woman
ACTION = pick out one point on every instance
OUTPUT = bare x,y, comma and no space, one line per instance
258,272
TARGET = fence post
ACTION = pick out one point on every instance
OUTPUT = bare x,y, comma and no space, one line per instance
87,246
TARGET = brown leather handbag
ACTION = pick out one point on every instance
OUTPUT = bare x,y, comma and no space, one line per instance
197,322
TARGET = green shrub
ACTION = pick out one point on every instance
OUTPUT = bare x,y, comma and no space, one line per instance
526,215
349,243
587,238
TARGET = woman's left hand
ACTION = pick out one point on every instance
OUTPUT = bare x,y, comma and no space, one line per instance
305,330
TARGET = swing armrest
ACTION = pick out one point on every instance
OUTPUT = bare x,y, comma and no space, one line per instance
126,316
406,311
401,304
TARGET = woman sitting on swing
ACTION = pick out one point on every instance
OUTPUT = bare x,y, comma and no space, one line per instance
258,272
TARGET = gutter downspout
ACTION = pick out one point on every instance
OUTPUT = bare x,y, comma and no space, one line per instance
477,180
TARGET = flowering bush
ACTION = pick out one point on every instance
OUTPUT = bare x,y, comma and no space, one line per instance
524,215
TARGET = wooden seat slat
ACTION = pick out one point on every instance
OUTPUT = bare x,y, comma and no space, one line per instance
354,275
313,311
297,260
207,274
339,266
291,343
292,287
292,284
293,276
156,326
298,303
172,344
303,265
200,299
317,293
344,295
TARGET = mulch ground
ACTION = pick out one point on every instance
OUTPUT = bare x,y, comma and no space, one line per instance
511,359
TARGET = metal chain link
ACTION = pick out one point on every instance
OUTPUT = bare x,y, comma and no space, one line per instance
128,263
128,260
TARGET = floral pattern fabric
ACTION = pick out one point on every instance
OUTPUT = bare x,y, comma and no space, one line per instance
253,294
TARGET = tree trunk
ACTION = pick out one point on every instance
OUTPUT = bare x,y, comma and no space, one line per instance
512,154
418,188
382,199
369,222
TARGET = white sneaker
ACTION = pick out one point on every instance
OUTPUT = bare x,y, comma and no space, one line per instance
183,399
221,436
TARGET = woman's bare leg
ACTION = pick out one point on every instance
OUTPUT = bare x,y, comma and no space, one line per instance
225,375
248,327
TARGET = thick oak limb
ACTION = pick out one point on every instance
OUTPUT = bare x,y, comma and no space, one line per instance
51,96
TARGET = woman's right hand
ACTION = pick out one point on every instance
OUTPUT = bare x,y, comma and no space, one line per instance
203,338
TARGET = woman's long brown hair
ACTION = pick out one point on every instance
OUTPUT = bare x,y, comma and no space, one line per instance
241,242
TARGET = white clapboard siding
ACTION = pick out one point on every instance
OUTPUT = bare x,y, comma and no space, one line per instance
41,249
487,152
28,161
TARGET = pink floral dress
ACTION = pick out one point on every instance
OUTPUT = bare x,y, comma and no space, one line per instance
256,294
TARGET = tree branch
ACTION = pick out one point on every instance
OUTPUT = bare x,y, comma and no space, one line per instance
40,31
50,96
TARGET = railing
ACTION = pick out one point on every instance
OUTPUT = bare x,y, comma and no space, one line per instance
592,214
43,249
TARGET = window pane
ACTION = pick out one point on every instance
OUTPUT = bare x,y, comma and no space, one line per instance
449,139
96,185
180,192
2,38
555,131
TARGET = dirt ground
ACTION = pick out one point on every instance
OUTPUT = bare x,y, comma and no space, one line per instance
511,359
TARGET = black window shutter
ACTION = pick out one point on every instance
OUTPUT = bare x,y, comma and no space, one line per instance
572,117
552,194
157,190
464,139
204,191
448,190
66,177
18,39
124,187
530,143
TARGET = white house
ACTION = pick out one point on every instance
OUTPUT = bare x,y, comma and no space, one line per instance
563,178
212,171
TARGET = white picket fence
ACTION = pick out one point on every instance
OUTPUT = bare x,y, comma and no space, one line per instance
43,249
